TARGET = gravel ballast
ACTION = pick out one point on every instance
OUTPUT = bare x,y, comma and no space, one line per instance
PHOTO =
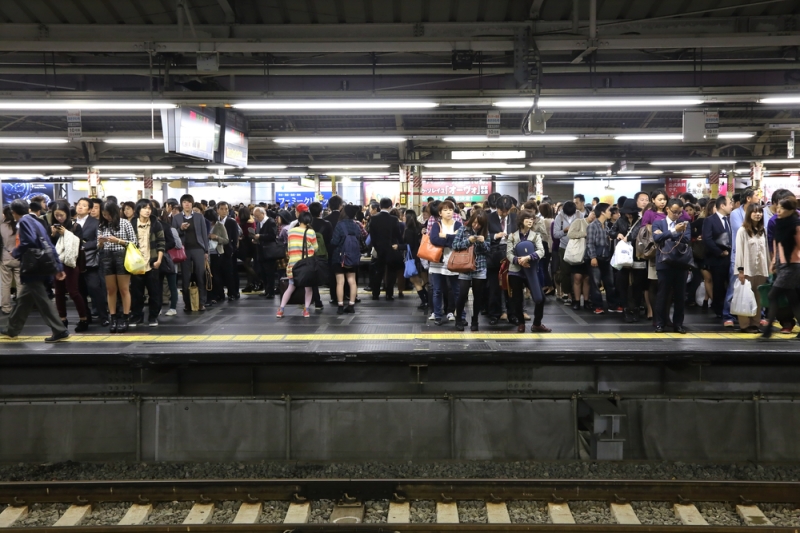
399,470
590,512
321,511
423,512
273,512
106,514
781,514
43,514
656,513
169,513
528,512
376,511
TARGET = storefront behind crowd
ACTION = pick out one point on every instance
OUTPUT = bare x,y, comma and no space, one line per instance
646,258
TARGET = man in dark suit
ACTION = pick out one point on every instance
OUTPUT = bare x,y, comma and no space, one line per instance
718,240
384,233
671,278
334,204
266,235
229,264
194,236
93,278
501,223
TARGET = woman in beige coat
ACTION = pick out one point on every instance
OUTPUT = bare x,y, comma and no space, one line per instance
752,260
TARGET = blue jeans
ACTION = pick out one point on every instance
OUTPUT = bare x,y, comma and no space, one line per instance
438,281
172,283
603,272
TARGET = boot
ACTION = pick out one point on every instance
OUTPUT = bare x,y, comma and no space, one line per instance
82,326
112,324
423,296
122,325
459,324
474,325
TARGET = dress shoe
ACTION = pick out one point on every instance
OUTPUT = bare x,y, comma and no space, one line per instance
459,325
473,326
681,330
493,321
376,297
659,329
521,328
55,337
390,298
541,328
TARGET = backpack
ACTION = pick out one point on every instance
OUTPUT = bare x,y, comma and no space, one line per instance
322,250
351,251
645,245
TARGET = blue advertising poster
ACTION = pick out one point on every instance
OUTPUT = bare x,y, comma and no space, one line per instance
26,191
300,197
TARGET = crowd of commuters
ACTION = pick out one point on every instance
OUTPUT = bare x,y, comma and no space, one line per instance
640,258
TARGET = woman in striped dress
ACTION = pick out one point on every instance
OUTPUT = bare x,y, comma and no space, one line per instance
294,246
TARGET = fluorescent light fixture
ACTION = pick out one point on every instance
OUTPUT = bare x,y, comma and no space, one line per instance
790,170
178,174
348,166
144,166
542,172
553,103
108,175
693,171
780,100
268,174
221,167
456,174
642,172
735,135
334,172
340,140
571,163
35,167
650,137
93,105
694,162
143,140
473,165
778,161
488,154
33,140
267,167
509,138
321,105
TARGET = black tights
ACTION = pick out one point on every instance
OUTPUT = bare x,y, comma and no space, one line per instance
794,304
478,286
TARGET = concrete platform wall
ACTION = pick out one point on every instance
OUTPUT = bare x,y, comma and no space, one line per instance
179,429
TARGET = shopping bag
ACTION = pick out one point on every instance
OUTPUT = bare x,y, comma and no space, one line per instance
764,290
135,263
194,296
209,276
623,255
700,295
744,301
410,269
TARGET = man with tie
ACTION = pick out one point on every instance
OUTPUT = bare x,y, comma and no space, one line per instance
501,223
718,239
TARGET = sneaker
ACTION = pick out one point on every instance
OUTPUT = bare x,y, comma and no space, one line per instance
153,322
599,312
306,314
786,331
171,312
340,310
616,310
57,337
319,306
451,317
432,317
279,314
568,301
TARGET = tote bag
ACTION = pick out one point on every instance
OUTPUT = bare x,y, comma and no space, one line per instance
462,261
428,251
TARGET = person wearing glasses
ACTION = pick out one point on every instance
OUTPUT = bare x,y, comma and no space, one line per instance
669,232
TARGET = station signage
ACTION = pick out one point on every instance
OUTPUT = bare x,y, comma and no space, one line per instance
302,197
462,191
74,125
233,140
189,131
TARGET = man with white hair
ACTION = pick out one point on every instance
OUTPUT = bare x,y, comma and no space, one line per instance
266,233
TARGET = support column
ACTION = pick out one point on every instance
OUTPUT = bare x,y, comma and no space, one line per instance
415,196
405,175
317,190
539,187
147,189
164,191
252,192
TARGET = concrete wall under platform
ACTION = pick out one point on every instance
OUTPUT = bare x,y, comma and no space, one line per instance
184,429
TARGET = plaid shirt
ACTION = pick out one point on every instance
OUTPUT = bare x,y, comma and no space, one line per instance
461,242
597,244
125,232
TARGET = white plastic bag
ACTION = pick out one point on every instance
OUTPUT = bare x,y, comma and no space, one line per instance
623,255
700,295
744,301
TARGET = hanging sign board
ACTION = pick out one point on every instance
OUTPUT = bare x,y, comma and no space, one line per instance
189,131
233,141
74,127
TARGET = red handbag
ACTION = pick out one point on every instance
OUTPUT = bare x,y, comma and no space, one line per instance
178,255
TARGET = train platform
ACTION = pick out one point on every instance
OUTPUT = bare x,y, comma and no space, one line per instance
246,331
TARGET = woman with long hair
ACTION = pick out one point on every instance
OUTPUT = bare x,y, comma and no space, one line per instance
171,238
752,260
115,235
246,250
150,236
412,236
697,236
474,233
785,263
346,227
128,211
65,227
656,210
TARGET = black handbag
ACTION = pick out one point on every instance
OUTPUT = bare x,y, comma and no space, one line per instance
724,241
677,254
167,265
273,250
39,261
309,271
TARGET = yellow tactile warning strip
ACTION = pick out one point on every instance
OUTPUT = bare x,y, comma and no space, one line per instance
328,337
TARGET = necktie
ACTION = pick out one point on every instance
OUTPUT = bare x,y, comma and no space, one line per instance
727,224
503,225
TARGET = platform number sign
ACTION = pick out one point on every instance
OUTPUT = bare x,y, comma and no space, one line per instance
712,124
493,124
74,126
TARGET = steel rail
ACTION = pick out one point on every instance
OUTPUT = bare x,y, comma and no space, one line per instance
251,490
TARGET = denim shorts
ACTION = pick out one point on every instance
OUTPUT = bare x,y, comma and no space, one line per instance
478,274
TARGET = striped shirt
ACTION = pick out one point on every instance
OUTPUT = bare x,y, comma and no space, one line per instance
125,232
294,246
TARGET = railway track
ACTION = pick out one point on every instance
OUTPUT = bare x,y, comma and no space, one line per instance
290,504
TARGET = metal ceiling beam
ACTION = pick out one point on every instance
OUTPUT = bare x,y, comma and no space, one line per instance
535,11
230,14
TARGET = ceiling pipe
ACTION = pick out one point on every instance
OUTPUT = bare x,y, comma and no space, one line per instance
592,19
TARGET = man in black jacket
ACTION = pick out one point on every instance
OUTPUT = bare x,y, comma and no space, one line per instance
501,224
194,236
334,204
93,278
718,240
266,235
229,264
384,233
324,231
